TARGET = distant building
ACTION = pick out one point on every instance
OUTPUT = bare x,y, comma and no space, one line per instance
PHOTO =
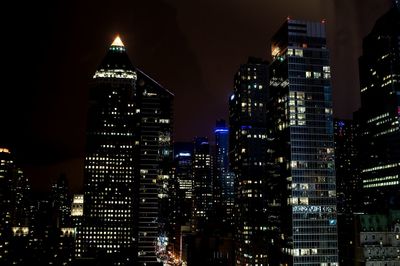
346,162
77,216
375,240
302,214
183,165
247,152
223,177
379,115
15,212
7,169
202,184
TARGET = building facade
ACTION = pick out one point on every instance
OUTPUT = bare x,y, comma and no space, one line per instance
379,114
128,145
301,185
376,239
202,184
15,213
247,155
346,162
224,177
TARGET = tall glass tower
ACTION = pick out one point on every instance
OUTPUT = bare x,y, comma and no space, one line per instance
379,115
302,185
128,147
202,184
224,177
247,152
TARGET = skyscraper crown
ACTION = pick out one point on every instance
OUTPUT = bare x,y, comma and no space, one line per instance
116,57
118,42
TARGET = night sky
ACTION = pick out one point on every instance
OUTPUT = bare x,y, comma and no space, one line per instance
193,48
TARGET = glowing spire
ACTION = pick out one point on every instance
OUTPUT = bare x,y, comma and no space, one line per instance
117,42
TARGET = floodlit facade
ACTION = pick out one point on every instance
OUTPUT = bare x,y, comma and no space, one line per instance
301,185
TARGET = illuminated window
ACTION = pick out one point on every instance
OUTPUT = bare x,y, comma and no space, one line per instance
317,75
326,69
298,52
308,74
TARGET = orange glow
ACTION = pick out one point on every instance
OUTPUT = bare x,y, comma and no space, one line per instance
5,150
117,42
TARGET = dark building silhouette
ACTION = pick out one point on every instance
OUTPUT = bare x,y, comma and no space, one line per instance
379,114
247,151
15,212
346,163
302,223
7,169
127,160
348,185
61,202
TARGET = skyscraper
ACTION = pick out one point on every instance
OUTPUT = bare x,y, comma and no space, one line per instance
154,104
202,184
247,151
7,169
77,216
61,232
346,164
301,184
182,196
224,178
379,114
183,156
14,211
61,202
127,150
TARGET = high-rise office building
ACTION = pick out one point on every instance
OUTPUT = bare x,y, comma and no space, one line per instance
154,104
61,234
15,213
182,196
346,164
61,202
379,115
224,178
183,156
76,217
348,184
7,169
302,223
126,162
202,184
247,152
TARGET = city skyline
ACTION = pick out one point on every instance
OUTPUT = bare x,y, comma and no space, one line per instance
281,179
50,125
